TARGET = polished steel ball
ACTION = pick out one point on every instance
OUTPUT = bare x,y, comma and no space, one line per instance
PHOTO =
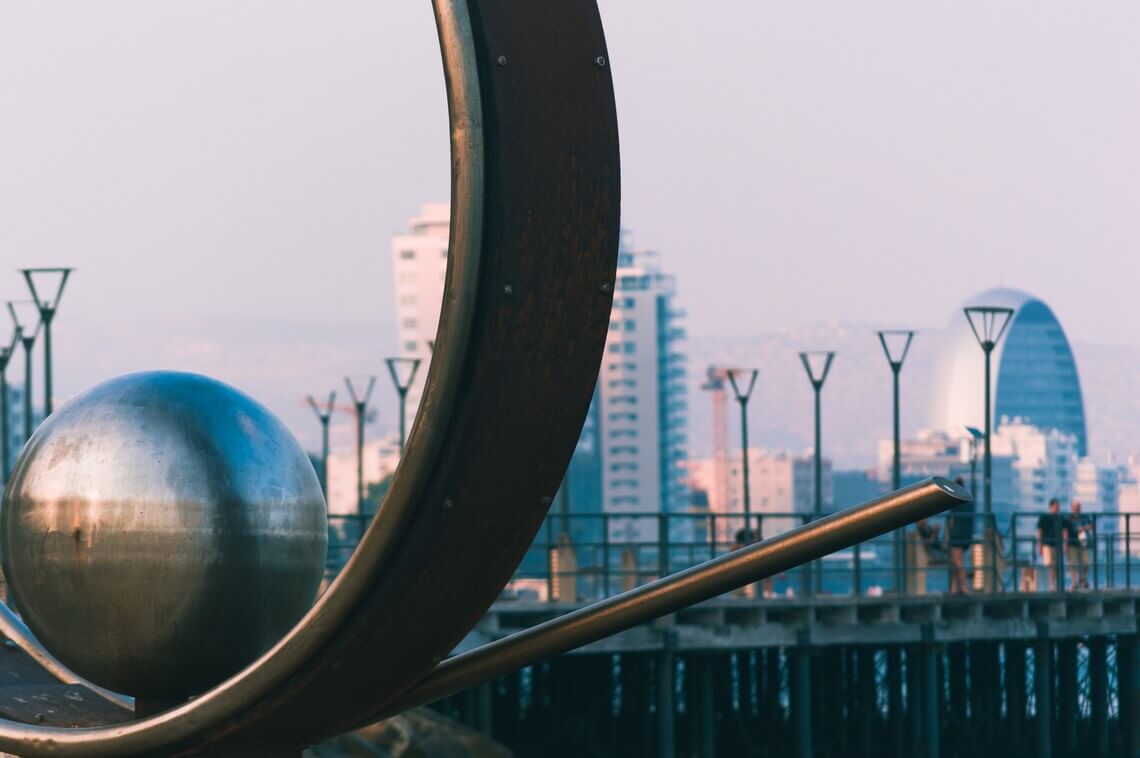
160,532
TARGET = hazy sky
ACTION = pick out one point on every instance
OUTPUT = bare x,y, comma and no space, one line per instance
227,175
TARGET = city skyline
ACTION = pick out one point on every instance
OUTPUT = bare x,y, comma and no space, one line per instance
247,235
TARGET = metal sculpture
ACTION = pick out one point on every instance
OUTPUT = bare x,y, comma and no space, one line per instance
532,256
146,511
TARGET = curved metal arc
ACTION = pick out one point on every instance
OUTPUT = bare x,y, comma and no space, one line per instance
444,380
694,585
12,627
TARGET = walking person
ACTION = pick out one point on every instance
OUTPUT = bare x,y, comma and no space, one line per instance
1051,535
960,534
1080,533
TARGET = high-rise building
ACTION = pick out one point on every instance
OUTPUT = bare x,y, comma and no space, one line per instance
1033,373
633,444
419,263
642,398
938,453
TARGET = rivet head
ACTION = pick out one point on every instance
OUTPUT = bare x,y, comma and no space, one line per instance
449,504
607,288
502,60
508,290
601,61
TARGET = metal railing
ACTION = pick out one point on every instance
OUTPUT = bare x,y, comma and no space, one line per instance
578,557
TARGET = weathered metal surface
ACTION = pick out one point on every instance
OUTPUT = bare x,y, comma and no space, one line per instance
60,705
20,638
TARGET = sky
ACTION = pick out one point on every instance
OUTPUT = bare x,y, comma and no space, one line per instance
226,176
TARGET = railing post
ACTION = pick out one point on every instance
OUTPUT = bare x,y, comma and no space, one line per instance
858,578
662,544
1128,550
1015,578
991,529
1095,558
605,555
549,563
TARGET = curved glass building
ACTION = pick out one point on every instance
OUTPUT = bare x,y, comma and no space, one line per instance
1034,376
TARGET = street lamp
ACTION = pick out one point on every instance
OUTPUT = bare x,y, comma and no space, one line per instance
360,405
23,314
47,308
817,364
976,436
6,353
988,324
403,380
742,396
323,416
896,344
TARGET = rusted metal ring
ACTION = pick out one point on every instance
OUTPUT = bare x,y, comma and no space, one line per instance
536,202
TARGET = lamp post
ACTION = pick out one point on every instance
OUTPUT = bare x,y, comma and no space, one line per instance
403,381
817,364
360,406
743,393
28,340
988,324
47,308
6,353
323,416
896,345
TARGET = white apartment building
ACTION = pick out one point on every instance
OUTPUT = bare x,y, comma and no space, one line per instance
419,263
1044,462
641,399
640,404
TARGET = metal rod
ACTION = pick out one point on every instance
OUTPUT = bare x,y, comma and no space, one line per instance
896,483
697,584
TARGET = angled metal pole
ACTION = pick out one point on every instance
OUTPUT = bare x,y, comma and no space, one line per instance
47,309
685,588
360,405
323,416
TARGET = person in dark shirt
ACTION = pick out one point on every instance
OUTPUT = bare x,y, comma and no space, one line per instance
1051,536
1079,528
960,534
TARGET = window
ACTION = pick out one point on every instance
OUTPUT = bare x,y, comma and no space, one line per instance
623,450
630,347
625,466
410,346
630,325
407,255
408,300
409,323
618,433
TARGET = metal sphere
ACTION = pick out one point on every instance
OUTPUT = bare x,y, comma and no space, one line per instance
160,532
